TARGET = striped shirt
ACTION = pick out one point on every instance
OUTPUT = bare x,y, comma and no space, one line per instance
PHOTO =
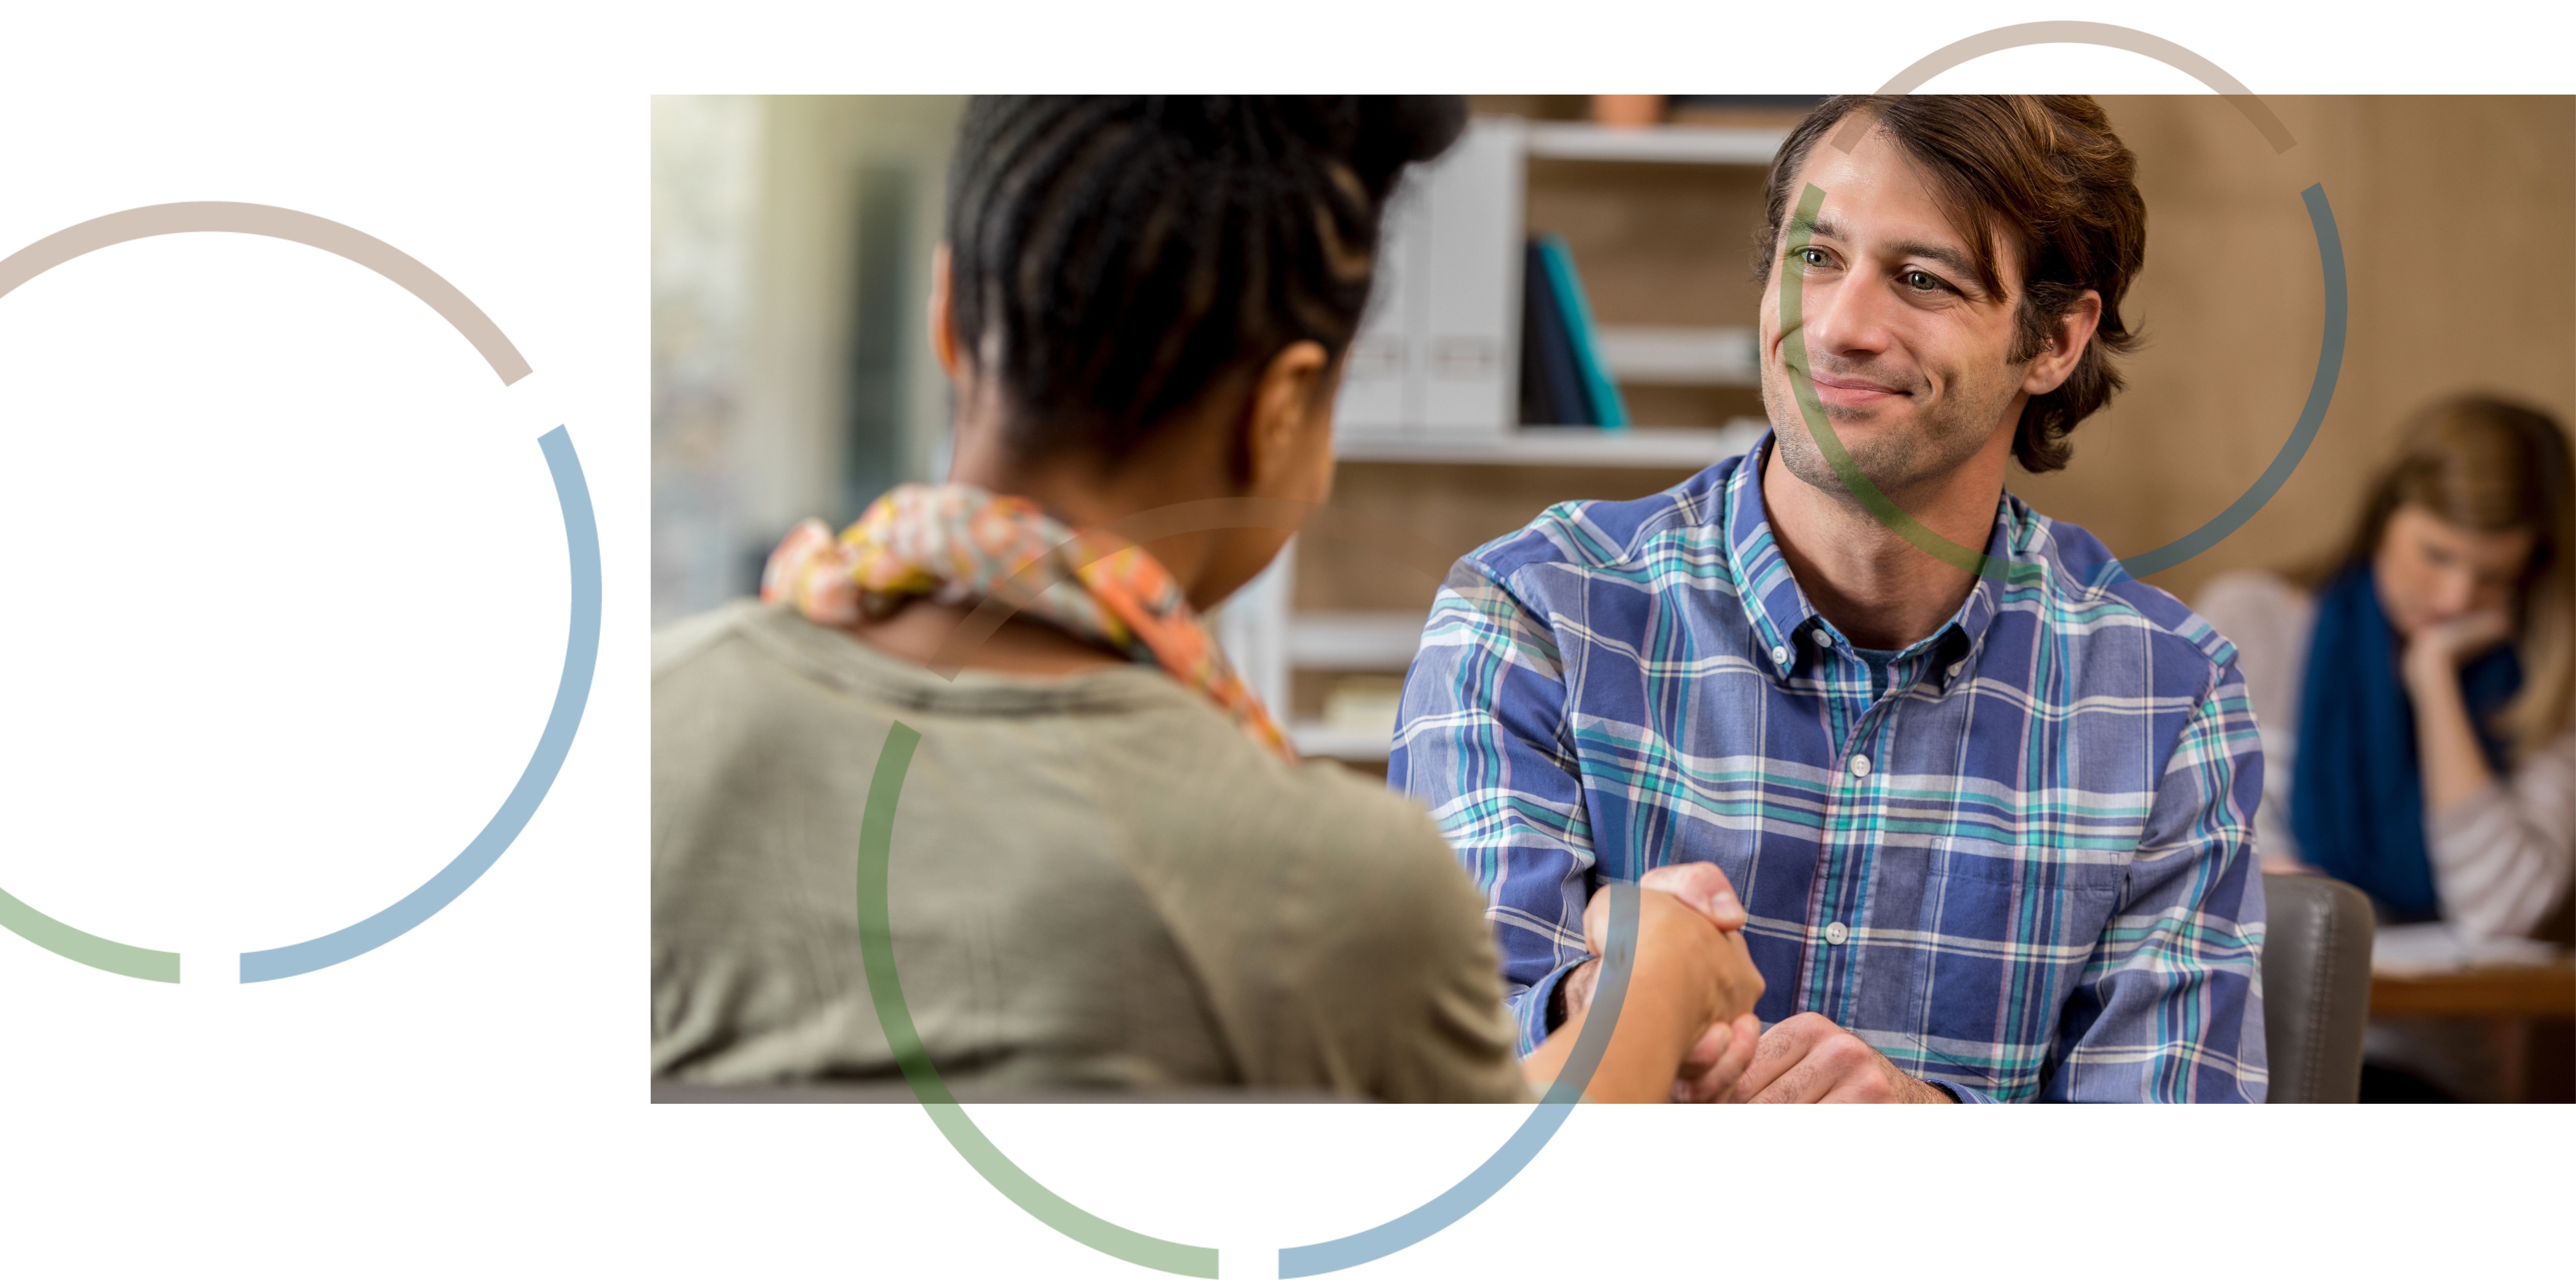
2020,863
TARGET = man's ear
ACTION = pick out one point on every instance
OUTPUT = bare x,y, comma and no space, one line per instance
943,335
1283,415
2050,367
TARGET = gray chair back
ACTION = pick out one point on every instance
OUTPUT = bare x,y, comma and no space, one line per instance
2316,987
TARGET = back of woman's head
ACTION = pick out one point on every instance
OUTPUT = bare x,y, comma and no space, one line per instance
2488,465
1113,260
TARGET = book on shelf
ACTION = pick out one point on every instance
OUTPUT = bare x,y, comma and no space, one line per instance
1551,384
1600,391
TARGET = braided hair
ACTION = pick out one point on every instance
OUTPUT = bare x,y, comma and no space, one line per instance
1112,259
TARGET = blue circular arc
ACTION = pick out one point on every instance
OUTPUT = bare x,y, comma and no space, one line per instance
1535,1131
2321,389
572,694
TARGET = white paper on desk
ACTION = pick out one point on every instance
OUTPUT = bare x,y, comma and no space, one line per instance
2432,947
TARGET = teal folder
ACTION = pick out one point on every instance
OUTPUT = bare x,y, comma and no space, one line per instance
1599,389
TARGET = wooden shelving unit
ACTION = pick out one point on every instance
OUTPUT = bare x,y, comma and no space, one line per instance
1669,144
1687,449
1294,637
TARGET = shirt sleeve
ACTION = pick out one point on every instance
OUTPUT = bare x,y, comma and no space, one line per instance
2502,859
1479,740
1412,1012
2169,1006
1335,943
1963,1093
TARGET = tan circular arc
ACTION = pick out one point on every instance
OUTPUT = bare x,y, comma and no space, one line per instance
2080,33
286,225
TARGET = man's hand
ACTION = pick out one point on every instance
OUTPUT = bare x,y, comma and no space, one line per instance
1808,1059
1718,1060
1726,1050
1719,967
1715,1060
1702,886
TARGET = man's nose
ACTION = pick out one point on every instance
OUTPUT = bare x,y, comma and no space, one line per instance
1848,317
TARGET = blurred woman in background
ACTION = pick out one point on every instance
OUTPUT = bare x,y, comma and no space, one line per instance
2416,699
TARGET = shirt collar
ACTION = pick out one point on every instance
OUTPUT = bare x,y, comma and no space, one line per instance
1785,621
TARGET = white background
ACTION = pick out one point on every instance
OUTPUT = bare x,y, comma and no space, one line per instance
282,605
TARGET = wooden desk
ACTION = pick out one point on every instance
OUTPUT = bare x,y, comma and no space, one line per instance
2493,992
2509,997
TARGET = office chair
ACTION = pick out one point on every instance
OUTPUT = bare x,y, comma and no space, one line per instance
2316,987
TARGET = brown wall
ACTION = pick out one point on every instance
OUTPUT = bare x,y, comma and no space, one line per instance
2458,218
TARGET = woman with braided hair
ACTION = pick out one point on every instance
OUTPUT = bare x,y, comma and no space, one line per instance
1108,867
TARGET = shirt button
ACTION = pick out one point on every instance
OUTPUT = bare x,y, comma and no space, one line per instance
1860,766
1955,668
1822,640
1836,933
1779,655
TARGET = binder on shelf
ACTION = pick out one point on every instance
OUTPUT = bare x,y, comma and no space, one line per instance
1551,383
1437,351
1609,411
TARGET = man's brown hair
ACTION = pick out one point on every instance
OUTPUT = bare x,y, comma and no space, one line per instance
2039,174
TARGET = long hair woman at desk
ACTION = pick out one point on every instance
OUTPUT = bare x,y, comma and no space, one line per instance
1109,867
2416,699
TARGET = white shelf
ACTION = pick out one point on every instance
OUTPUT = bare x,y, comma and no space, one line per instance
1641,448
1682,355
1353,641
1684,144
1330,743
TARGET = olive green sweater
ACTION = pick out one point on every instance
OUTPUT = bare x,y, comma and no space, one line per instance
1095,880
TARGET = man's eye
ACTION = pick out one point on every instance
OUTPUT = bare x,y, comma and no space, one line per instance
1922,281
1812,257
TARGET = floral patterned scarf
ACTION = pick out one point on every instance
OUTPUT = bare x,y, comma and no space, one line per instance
957,545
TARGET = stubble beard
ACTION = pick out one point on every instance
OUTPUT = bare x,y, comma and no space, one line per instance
1902,457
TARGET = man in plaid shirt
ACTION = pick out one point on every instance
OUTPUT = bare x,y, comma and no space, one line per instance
1991,818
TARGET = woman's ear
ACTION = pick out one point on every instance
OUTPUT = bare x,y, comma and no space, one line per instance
943,335
1288,430
2074,330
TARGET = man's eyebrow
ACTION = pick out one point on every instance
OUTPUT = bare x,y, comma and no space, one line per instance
1949,257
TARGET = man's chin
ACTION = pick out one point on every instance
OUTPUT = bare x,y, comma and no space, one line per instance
1868,444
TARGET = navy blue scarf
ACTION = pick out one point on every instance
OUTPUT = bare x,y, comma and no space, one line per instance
2357,798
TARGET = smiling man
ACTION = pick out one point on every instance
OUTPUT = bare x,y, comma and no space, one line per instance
1991,818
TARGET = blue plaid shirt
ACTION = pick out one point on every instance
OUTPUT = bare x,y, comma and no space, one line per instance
2020,864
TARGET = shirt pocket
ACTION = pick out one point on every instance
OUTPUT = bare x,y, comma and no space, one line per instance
2008,936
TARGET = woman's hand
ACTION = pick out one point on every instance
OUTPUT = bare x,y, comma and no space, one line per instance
1691,961
2446,742
2435,653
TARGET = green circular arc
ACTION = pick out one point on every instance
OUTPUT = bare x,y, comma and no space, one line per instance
81,946
876,951
885,991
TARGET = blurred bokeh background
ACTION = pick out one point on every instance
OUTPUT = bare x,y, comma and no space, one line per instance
792,238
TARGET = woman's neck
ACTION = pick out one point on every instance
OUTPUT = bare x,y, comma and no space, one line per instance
1180,466
1078,492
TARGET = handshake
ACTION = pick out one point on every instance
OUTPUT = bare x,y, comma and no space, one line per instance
1686,1031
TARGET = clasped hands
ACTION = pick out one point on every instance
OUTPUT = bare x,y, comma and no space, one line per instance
1692,975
